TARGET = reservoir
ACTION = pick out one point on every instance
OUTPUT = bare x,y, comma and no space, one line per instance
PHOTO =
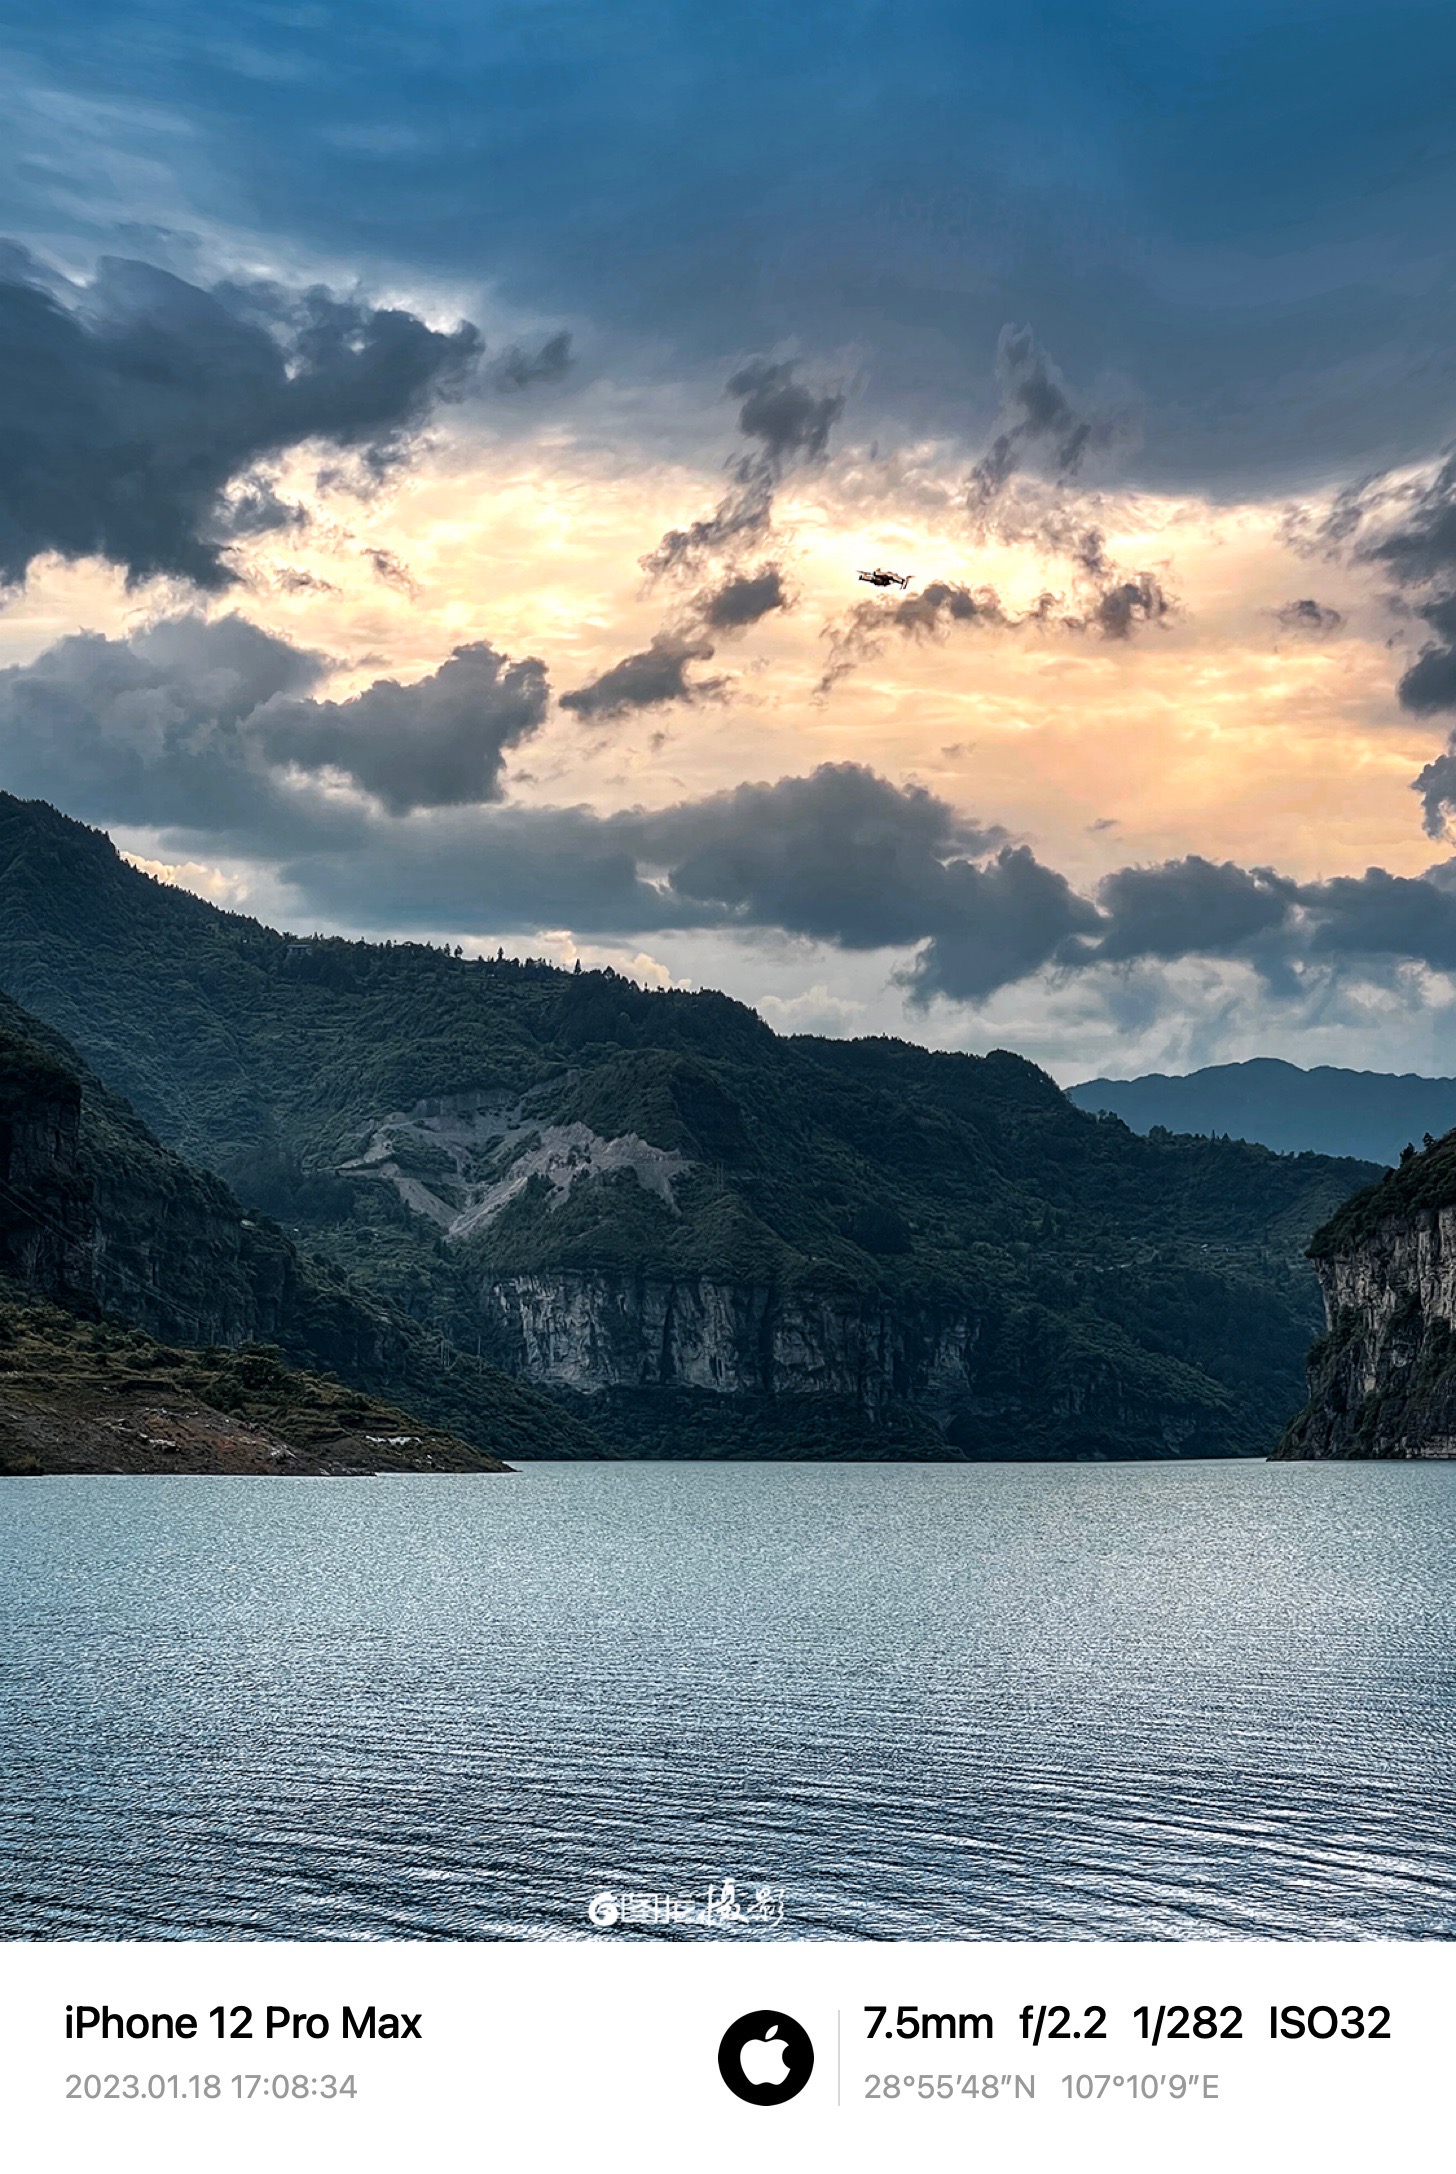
1140,1701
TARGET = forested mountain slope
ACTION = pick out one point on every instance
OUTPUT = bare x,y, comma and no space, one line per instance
97,1217
712,1239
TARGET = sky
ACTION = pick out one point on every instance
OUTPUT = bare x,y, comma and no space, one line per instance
438,445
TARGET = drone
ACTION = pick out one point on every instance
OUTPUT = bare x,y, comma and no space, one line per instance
882,578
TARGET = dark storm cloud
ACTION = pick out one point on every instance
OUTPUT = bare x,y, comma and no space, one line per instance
1188,906
695,181
1429,684
1437,788
1380,916
129,405
151,729
1304,615
1410,529
844,857
197,722
434,743
841,854
1010,918
256,509
1196,908
650,677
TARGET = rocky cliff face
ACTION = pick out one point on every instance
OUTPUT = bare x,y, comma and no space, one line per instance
595,1331
46,1220
1382,1381
945,1371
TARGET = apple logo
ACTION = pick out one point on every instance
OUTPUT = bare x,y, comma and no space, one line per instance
765,2058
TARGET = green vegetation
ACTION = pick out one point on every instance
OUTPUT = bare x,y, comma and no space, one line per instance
166,1247
1382,1382
1128,1294
68,1383
1421,1181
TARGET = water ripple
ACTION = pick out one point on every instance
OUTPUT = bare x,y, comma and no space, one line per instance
1125,1702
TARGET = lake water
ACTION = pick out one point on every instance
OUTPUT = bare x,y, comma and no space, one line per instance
996,1701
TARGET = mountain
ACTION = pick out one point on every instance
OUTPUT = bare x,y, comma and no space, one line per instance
707,1238
106,1224
80,1393
1382,1380
1328,1111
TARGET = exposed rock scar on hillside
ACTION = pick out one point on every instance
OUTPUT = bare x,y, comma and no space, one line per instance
470,1187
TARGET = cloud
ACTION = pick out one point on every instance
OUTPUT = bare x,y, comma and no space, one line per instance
938,605
297,581
129,405
1194,908
1188,906
1303,615
1407,524
391,570
519,368
438,742
658,673
1437,788
790,421
743,600
1122,605
1378,915
1038,419
387,810
846,858
786,423
196,723
928,613
742,517
1429,684
900,192
1022,492
841,854
1006,920
254,508
1114,612
651,676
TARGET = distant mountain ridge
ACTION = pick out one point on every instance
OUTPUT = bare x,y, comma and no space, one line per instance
703,1238
1325,1110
